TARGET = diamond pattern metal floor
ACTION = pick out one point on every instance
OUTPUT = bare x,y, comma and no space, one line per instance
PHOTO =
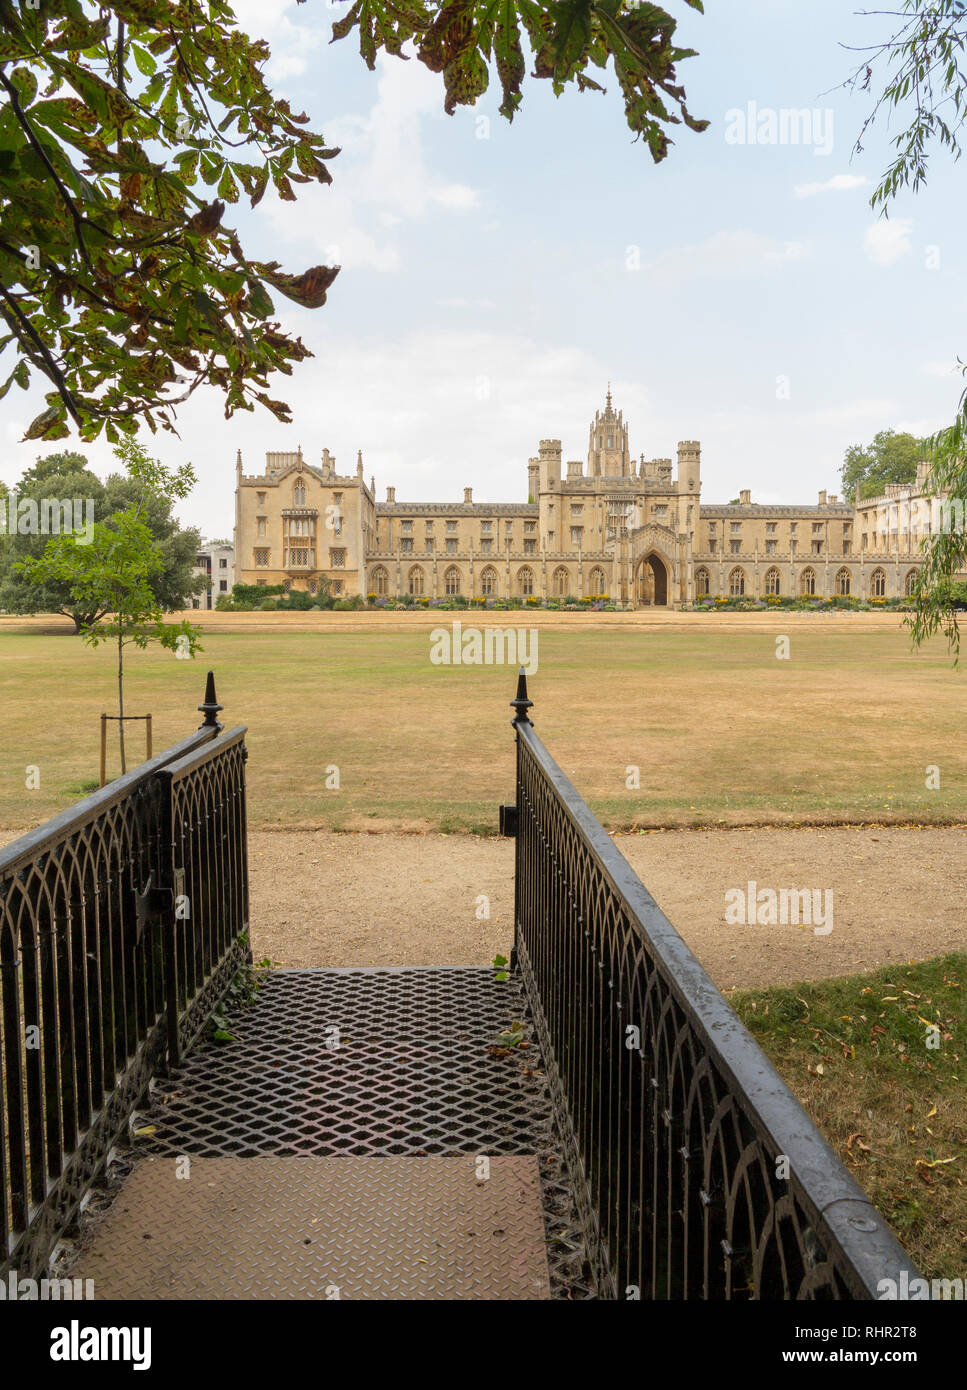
361,1062
378,1063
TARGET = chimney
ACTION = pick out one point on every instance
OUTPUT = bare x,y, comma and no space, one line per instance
467,495
745,497
833,500
391,494
822,498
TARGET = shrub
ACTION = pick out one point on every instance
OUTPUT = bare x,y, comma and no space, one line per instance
255,593
297,601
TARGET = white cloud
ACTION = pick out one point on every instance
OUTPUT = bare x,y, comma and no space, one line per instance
290,65
380,180
289,42
456,195
726,254
944,369
839,183
923,427
886,242
458,302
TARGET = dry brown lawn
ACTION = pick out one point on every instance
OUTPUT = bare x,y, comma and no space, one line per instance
723,733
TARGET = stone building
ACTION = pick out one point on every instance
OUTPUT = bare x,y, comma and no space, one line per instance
635,530
216,563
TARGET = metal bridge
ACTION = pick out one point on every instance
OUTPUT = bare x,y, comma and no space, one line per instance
599,1124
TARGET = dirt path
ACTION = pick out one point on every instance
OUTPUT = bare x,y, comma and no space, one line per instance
320,899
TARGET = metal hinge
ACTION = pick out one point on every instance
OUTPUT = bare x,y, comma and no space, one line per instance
150,904
508,820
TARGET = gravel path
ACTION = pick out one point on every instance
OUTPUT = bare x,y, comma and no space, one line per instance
320,899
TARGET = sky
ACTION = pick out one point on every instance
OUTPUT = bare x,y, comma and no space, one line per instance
496,276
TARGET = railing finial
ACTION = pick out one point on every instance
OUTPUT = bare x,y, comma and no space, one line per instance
521,704
211,708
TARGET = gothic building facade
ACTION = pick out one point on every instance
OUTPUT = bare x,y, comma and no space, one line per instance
635,530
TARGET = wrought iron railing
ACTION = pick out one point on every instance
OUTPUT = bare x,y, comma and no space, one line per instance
122,921
698,1173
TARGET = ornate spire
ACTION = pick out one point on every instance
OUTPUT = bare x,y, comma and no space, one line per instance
609,395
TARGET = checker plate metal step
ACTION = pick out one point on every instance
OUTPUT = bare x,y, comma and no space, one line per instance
322,1228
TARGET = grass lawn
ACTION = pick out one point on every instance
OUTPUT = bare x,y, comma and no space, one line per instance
854,1051
722,731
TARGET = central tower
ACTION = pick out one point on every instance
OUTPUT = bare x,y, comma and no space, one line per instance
608,454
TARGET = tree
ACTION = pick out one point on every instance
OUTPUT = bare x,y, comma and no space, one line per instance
66,476
127,131
110,577
890,458
926,83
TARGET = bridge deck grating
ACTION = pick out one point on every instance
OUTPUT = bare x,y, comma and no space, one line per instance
375,1063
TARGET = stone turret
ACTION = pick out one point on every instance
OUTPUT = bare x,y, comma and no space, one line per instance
689,465
533,479
549,462
608,452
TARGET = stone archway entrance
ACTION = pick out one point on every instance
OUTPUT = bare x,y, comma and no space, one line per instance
651,582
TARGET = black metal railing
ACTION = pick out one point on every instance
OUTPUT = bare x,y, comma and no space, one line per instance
698,1173
122,921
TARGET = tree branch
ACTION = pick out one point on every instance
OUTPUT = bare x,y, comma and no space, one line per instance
53,371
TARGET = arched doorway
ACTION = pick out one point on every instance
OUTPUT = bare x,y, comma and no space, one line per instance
652,582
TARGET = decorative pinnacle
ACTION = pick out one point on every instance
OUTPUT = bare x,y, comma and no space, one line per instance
522,704
211,708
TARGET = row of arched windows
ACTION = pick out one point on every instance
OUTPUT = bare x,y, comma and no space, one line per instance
772,583
489,584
